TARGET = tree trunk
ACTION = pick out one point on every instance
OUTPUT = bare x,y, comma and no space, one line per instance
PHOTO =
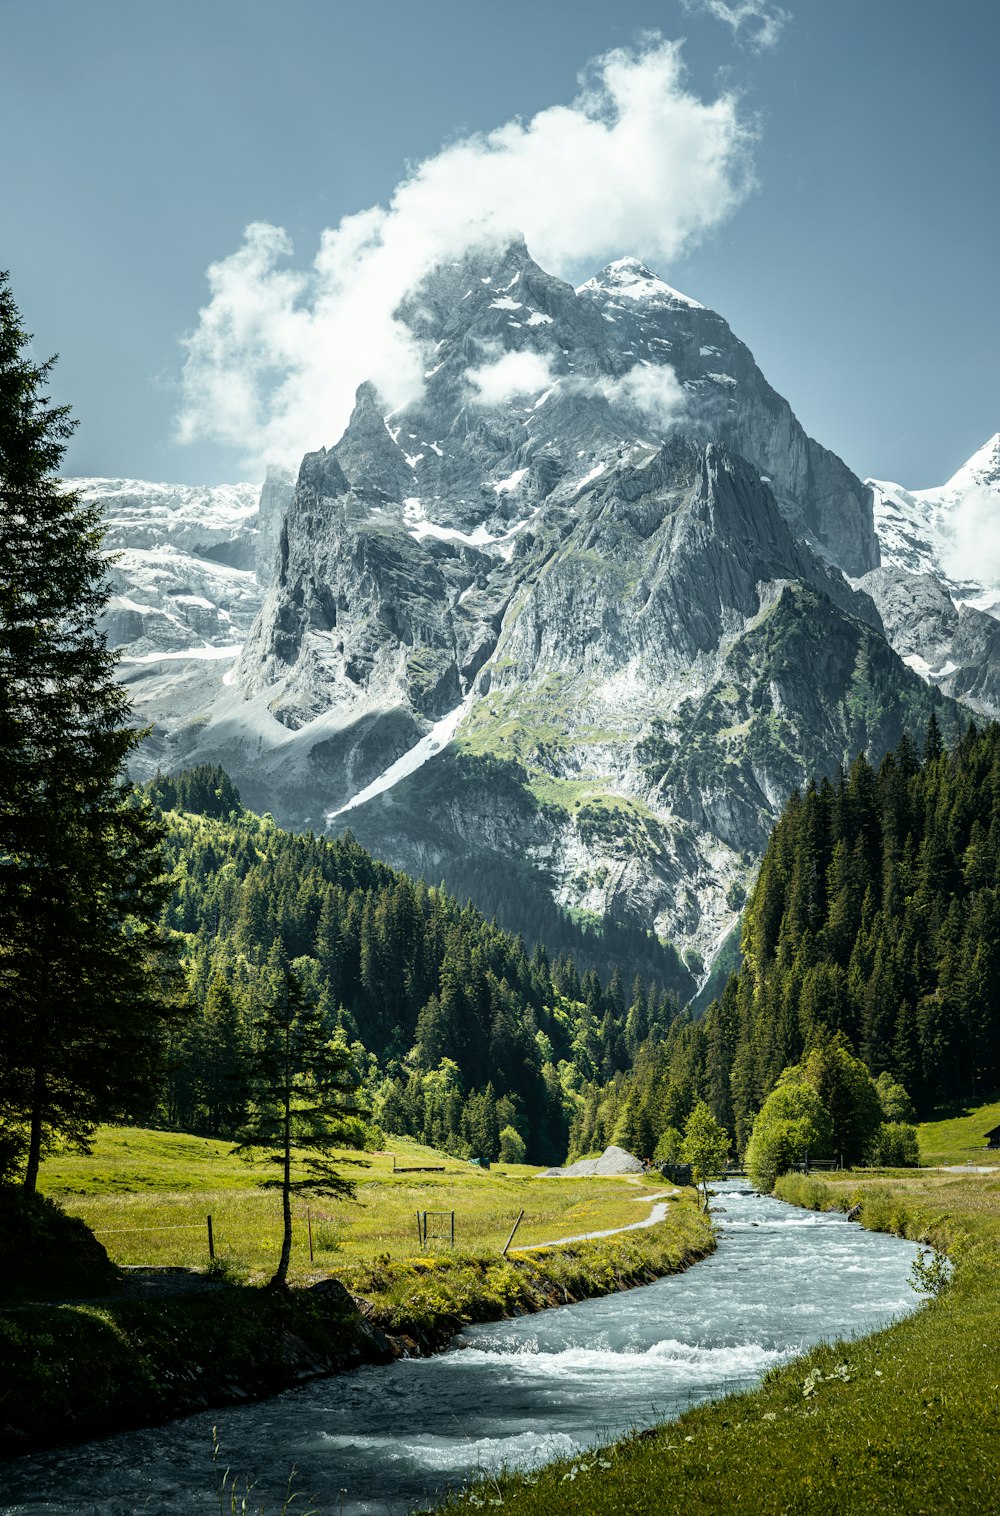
35,1136
281,1272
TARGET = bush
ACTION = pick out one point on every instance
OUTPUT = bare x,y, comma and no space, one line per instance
894,1146
45,1253
512,1148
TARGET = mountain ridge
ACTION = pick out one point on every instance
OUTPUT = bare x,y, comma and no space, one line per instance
536,626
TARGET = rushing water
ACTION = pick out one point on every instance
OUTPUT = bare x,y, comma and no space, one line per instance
519,1393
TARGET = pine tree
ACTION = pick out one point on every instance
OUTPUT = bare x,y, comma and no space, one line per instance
83,997
302,1088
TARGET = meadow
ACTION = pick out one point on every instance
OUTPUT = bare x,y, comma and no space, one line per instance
960,1136
146,1195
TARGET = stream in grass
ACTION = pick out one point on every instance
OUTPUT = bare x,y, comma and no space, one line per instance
383,1439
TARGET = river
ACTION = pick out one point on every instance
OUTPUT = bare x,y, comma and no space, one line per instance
382,1439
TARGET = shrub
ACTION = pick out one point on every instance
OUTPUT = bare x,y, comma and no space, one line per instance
894,1146
45,1253
512,1148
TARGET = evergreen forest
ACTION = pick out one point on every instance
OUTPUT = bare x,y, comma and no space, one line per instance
874,926
462,1036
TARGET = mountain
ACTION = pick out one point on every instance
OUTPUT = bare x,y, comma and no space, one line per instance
187,571
938,587
569,627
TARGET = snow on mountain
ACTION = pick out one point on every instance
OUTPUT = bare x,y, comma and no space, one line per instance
951,531
187,562
628,279
138,513
938,589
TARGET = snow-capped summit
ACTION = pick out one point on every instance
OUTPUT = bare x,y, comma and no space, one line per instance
949,531
628,279
982,471
938,589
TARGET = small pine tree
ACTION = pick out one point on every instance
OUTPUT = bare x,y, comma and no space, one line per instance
302,1087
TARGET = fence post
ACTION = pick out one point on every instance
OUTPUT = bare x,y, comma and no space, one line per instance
419,1233
453,1228
510,1239
211,1242
309,1227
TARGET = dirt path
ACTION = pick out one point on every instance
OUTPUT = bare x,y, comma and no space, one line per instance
656,1214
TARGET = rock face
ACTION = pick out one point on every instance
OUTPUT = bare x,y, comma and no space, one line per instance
576,620
186,577
938,589
182,579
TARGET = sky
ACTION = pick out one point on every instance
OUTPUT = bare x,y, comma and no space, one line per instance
823,174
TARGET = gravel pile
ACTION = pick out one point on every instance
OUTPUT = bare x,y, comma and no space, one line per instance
612,1161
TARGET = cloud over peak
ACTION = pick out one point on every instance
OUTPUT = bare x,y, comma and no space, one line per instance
636,163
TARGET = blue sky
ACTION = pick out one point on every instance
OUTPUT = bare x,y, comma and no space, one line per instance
140,140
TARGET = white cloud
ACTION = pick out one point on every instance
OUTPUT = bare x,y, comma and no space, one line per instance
763,20
653,389
523,373
636,163
973,549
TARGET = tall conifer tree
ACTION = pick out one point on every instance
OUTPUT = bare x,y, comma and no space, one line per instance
80,870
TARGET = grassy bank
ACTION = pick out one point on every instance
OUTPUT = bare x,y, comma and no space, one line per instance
80,1370
77,1369
146,1195
426,1300
902,1422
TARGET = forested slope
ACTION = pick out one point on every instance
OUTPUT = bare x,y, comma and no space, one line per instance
875,918
459,1031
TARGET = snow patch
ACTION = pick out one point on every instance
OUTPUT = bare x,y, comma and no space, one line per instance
503,486
595,473
188,652
428,747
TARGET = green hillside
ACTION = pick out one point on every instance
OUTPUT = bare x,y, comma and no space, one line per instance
460,1034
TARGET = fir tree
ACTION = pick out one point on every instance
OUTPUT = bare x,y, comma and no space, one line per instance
301,1090
83,983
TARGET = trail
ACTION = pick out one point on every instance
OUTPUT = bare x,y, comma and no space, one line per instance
656,1214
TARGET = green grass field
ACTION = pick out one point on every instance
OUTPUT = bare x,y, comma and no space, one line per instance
960,1137
146,1195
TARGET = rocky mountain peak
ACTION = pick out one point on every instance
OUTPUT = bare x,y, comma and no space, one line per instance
939,588
629,279
581,572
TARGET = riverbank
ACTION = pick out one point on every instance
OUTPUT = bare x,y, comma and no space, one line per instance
80,1370
901,1422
